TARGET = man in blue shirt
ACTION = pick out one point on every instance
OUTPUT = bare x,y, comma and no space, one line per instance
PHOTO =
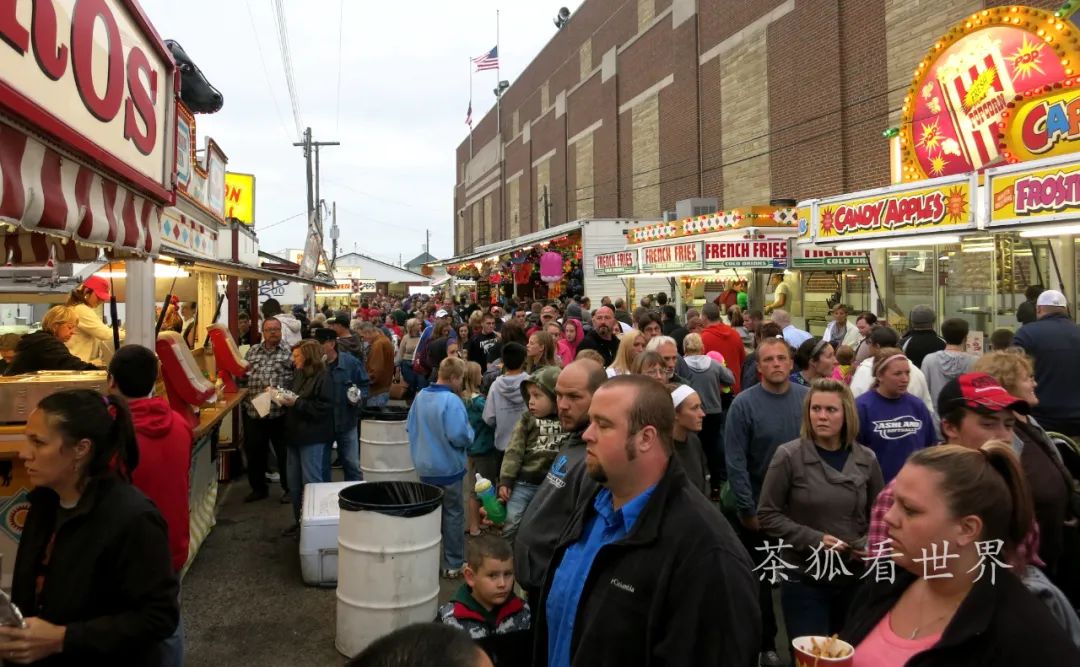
648,571
345,371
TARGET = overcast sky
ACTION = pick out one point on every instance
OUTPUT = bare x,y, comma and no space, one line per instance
404,86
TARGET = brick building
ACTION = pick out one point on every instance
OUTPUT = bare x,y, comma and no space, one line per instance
636,104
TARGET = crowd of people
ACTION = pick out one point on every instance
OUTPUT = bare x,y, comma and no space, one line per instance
661,478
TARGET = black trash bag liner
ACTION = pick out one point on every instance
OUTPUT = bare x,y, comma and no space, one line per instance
402,499
387,414
195,91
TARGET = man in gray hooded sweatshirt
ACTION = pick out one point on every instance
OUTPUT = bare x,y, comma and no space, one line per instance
950,363
505,402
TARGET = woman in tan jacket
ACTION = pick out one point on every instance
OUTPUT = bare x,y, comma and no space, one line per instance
816,497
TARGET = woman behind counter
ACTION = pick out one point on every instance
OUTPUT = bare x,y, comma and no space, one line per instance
93,339
44,350
93,573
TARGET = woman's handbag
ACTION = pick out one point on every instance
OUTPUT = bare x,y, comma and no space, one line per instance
398,387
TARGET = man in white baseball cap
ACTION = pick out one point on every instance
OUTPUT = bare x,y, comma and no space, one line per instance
1053,340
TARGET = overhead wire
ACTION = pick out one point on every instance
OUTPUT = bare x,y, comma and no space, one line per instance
266,70
341,20
281,24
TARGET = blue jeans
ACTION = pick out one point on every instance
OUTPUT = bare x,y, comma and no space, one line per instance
305,467
348,447
812,608
453,525
520,498
172,649
410,376
378,401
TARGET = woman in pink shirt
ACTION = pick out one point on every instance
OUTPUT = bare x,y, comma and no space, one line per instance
958,517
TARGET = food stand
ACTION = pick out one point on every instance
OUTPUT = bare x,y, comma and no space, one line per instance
704,253
984,204
86,165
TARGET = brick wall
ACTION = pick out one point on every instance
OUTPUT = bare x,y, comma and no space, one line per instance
636,104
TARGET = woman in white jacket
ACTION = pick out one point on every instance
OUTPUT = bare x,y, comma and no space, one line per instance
93,339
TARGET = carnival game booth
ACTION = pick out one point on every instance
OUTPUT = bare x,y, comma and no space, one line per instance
705,255
985,200
579,258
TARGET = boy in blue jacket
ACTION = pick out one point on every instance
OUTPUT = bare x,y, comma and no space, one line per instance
439,434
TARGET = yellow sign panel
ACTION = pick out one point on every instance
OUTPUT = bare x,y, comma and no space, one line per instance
1035,195
943,207
240,197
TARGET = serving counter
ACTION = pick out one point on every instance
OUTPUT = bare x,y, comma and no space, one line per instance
202,493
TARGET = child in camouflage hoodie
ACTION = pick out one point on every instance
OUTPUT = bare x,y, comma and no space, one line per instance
532,448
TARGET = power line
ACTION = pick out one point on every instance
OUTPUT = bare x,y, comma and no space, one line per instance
286,62
381,198
341,17
280,222
266,70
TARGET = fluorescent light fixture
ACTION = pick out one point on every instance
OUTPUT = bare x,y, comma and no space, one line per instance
909,242
979,248
1042,232
160,271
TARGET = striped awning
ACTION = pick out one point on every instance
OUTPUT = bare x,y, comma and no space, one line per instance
43,191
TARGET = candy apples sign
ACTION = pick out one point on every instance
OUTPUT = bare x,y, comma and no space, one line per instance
944,206
94,75
952,114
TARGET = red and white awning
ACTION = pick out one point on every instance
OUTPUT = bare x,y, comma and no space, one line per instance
44,191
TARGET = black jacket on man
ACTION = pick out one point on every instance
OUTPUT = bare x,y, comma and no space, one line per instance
109,578
606,348
999,623
920,342
42,351
677,590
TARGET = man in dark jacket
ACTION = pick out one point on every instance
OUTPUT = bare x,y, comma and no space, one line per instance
344,371
921,338
647,571
602,338
1025,312
1054,341
555,500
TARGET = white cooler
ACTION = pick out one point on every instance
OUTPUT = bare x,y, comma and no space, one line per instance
319,533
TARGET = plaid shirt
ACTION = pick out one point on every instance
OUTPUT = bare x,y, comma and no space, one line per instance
1027,553
269,368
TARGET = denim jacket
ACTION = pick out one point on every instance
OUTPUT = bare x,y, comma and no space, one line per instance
347,370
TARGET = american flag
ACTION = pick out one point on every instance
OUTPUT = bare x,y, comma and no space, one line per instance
468,115
489,60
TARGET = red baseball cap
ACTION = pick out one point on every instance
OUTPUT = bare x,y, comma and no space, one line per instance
99,286
980,392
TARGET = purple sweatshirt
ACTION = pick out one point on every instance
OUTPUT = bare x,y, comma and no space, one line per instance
894,428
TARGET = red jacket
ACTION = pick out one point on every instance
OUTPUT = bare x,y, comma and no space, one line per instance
721,338
164,438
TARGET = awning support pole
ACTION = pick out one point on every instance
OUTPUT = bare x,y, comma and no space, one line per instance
139,303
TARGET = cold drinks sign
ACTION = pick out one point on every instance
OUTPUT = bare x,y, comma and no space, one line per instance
95,76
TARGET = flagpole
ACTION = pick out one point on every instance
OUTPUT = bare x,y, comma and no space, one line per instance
498,83
470,106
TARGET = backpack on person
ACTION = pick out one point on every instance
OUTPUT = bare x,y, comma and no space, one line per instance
420,364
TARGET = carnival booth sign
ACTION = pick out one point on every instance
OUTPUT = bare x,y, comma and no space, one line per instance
762,253
805,256
673,257
1034,193
952,115
95,77
619,263
939,205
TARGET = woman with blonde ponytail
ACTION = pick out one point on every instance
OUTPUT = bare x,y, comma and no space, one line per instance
959,516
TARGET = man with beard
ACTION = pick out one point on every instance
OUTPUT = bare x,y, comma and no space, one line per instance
647,571
554,502
602,337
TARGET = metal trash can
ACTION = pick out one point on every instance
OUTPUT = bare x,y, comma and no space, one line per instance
384,446
389,537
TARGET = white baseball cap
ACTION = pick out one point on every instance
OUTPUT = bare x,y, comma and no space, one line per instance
442,313
1052,297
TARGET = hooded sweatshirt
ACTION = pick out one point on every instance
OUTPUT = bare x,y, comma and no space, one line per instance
290,329
504,407
940,367
534,442
42,351
705,377
439,433
719,337
567,350
164,438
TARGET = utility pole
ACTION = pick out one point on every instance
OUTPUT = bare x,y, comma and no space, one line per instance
546,204
314,205
427,241
334,234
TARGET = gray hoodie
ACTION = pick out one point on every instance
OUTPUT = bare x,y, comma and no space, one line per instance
705,377
940,367
290,328
505,403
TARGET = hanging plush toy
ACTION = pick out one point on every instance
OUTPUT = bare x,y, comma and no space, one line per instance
551,267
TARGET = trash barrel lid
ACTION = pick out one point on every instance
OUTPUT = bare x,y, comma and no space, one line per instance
387,414
401,499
